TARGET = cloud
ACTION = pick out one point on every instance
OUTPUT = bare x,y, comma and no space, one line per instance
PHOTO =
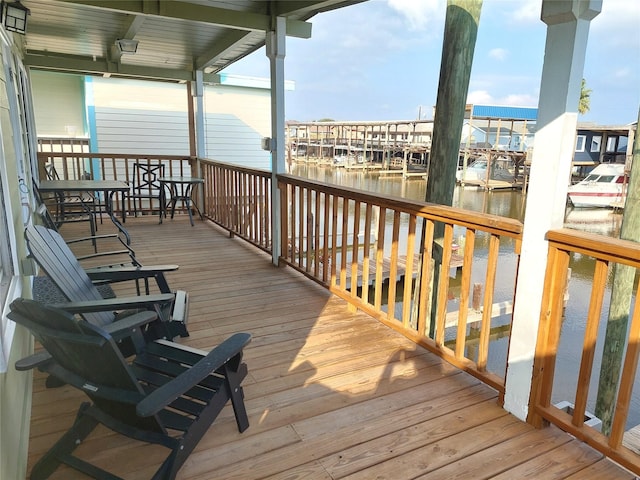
480,97
528,11
498,53
483,97
418,13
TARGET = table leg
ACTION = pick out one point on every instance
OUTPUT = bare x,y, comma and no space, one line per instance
108,199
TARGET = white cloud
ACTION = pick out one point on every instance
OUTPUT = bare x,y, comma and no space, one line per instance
480,97
519,100
498,53
622,73
418,13
528,11
483,97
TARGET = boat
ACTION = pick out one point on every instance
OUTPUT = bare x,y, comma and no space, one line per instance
476,172
605,186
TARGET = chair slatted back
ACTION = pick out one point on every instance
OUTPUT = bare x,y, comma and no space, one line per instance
90,354
53,255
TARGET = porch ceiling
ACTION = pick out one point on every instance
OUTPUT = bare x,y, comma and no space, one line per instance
175,38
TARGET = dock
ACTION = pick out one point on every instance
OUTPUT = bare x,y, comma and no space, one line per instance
456,263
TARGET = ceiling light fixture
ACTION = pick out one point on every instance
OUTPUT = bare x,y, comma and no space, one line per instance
127,45
14,16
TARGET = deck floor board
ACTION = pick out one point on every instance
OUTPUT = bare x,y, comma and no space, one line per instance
330,394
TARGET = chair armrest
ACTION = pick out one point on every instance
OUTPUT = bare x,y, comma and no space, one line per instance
92,237
112,274
130,322
32,361
120,273
216,358
122,303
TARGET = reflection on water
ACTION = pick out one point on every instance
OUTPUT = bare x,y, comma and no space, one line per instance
508,203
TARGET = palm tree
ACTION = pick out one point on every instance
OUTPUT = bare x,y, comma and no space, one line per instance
585,98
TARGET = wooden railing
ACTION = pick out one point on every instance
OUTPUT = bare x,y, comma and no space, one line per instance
368,249
112,166
239,199
396,260
614,264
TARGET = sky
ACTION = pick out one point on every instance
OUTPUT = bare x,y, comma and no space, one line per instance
380,60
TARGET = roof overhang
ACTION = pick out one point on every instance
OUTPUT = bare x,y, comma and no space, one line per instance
175,38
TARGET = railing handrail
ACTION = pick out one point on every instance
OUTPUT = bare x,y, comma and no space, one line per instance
237,168
598,246
45,155
488,222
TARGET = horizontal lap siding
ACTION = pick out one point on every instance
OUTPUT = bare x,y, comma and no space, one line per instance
134,116
142,132
236,120
145,117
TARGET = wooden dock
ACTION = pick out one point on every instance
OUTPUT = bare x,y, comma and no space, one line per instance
456,263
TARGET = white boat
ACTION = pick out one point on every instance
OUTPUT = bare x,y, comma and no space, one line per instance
604,186
476,172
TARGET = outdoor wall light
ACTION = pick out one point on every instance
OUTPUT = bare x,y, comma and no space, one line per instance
127,45
14,16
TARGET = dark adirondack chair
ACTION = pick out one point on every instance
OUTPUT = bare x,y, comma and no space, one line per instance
167,394
77,285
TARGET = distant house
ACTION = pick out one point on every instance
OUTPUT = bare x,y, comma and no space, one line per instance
602,144
498,127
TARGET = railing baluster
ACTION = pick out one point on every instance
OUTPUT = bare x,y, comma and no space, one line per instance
408,274
467,266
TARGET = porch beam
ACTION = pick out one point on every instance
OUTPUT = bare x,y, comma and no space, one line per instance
220,48
222,17
101,66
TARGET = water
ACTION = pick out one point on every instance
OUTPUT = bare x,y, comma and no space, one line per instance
511,204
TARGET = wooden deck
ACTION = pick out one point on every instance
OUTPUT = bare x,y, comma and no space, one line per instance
330,394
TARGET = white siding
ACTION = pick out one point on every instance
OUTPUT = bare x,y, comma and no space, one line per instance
144,117
58,104
236,120
134,116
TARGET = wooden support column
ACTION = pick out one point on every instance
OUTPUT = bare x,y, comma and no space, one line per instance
566,43
275,43
621,295
458,45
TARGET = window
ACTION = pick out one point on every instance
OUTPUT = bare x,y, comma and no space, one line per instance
596,141
14,191
580,141
612,143
7,279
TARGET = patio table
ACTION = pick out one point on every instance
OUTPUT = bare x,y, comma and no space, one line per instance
180,188
107,187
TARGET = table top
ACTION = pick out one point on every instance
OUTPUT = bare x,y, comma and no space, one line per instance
83,185
181,180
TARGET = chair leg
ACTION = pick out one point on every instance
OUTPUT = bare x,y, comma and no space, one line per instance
82,427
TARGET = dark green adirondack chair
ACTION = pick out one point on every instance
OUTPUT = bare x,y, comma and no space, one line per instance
78,285
167,394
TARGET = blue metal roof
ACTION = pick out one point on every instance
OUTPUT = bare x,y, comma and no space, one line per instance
515,113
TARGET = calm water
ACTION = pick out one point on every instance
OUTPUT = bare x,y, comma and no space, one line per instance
510,204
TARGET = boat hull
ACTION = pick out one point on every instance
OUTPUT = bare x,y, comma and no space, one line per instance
595,199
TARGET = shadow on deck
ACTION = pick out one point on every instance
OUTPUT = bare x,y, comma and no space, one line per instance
330,393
